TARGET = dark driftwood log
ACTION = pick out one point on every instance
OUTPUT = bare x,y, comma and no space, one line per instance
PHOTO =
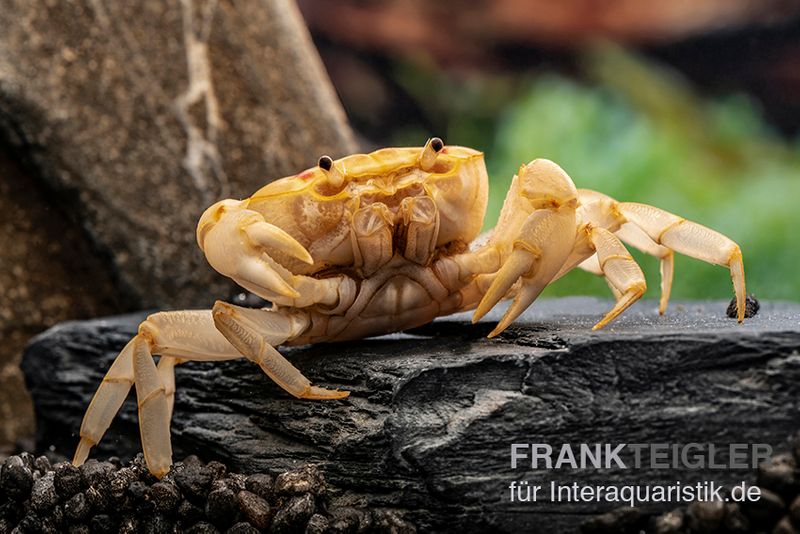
431,417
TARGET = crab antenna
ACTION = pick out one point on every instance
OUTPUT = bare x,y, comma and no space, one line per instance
334,175
427,158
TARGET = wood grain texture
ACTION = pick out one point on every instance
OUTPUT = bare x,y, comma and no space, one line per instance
429,424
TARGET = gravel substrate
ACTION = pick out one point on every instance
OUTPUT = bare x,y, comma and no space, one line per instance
777,511
106,497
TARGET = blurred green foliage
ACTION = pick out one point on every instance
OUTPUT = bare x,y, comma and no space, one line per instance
637,132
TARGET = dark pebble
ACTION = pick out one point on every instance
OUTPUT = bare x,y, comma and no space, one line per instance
669,523
128,525
157,524
784,526
261,484
42,464
30,523
102,524
307,479
79,529
766,511
165,496
5,526
218,469
751,307
794,511
295,514
95,473
622,520
99,498
67,480
137,489
16,479
242,528
189,514
76,508
254,508
194,481
318,524
735,522
778,474
202,528
43,493
221,507
120,481
705,516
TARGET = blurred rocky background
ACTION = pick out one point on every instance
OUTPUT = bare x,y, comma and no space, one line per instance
120,123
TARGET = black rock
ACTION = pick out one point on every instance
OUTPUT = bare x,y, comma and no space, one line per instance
735,521
794,511
785,526
67,480
254,508
307,479
95,473
157,523
165,495
43,493
766,511
42,464
294,515
751,307
221,507
76,508
779,475
318,524
194,481
705,517
103,524
261,484
242,528
16,478
202,528
189,514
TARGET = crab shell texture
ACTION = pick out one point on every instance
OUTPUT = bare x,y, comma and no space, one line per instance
318,214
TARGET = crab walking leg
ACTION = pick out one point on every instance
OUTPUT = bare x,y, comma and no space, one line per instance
620,270
636,237
600,210
255,333
592,265
692,239
177,336
106,402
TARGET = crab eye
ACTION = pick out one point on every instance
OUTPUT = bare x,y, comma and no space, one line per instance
427,158
333,175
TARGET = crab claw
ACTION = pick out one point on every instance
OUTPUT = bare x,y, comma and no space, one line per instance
270,236
247,260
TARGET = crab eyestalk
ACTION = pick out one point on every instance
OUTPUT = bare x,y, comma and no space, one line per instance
332,173
427,158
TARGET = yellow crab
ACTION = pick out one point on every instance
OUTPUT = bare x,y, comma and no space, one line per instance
377,243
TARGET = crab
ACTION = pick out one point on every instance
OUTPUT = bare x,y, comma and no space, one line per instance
383,242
